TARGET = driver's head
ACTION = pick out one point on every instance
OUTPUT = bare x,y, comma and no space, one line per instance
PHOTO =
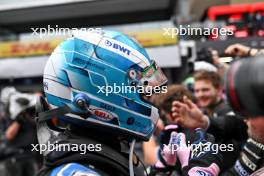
105,79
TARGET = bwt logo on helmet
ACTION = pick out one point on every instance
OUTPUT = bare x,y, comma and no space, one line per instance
117,47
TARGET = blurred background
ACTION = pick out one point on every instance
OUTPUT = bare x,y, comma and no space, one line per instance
23,54
31,29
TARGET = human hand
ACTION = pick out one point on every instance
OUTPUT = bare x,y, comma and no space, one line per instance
166,156
188,115
240,50
198,158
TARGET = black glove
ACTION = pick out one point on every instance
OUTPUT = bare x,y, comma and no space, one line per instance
251,158
197,155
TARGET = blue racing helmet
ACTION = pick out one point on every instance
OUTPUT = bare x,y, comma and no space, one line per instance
102,79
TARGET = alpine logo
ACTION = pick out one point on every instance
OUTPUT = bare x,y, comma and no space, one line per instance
117,47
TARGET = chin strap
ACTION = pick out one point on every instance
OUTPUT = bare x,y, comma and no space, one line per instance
49,114
52,159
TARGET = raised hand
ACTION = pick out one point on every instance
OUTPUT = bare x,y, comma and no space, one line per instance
240,50
188,115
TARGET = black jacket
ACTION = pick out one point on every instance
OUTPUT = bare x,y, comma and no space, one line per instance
228,129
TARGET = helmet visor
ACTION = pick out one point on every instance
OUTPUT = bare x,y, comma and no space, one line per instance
153,76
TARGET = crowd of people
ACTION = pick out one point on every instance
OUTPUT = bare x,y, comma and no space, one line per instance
203,128
204,106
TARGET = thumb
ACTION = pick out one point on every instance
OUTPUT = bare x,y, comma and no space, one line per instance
169,152
173,139
183,152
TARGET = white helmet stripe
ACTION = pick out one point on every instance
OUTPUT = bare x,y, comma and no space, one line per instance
61,91
114,46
